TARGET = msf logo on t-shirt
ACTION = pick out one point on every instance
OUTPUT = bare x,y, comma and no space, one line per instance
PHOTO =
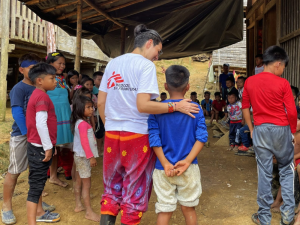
114,79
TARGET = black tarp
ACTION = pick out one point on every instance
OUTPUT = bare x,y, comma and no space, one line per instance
188,27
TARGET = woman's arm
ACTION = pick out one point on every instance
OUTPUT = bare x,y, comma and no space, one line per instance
145,105
101,104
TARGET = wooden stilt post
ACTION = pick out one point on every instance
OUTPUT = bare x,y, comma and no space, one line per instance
123,31
5,13
78,36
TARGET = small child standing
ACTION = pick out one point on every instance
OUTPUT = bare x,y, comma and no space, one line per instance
217,107
42,130
234,109
72,82
85,153
240,85
206,105
259,68
177,176
97,76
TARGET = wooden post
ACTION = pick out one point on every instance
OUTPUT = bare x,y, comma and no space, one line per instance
123,31
5,12
78,36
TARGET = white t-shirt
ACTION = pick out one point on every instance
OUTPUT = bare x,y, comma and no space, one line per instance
259,69
124,78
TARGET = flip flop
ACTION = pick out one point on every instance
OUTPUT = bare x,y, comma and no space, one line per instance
291,223
47,207
255,219
8,217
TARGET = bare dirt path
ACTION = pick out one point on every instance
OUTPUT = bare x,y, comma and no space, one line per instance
229,185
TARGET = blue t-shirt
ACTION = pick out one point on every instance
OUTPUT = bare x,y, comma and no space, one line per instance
223,78
95,90
176,133
19,96
206,105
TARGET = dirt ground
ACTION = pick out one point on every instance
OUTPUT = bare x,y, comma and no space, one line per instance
229,182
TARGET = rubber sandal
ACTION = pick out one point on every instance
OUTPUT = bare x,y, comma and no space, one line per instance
47,207
48,217
243,153
255,219
8,217
291,223
107,219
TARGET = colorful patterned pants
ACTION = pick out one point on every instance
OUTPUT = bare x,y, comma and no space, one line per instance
128,165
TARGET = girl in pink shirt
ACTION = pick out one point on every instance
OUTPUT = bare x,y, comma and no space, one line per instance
85,153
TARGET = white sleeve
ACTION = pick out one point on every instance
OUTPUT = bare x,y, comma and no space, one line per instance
148,81
42,129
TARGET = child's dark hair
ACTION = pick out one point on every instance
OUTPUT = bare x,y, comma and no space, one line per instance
295,90
217,94
275,54
98,73
54,56
259,56
230,79
177,77
78,110
71,73
142,35
193,93
30,57
233,93
40,70
81,91
207,93
86,79
163,93
242,78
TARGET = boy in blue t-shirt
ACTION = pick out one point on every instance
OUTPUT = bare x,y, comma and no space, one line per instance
206,105
19,97
222,80
177,176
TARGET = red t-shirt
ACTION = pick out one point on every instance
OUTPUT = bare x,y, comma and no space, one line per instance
271,99
40,101
219,105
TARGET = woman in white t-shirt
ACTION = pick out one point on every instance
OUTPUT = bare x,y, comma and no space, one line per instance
124,102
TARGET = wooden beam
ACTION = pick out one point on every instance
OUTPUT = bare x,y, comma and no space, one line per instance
95,7
254,7
58,7
98,21
288,37
73,13
114,28
5,14
124,5
269,6
108,2
86,17
78,36
33,2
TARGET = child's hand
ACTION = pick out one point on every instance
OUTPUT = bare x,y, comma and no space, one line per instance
48,155
93,162
181,167
169,170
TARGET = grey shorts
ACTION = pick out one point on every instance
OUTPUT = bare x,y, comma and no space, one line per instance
185,188
83,166
18,161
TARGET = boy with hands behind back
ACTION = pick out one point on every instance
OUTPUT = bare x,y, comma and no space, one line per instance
177,139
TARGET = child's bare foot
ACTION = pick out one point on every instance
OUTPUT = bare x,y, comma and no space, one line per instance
92,216
275,207
44,194
58,182
79,208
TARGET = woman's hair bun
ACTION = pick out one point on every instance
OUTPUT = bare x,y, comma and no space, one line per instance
139,28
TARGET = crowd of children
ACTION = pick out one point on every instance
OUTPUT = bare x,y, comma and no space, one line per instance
59,122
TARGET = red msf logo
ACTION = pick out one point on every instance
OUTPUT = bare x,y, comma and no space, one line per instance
114,79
